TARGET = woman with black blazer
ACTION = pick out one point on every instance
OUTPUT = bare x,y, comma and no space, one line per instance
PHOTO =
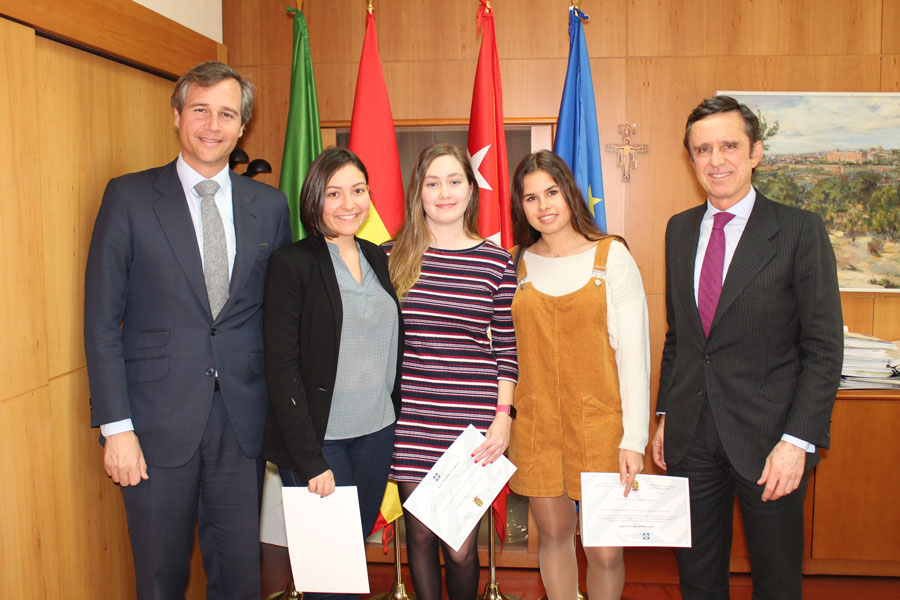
333,340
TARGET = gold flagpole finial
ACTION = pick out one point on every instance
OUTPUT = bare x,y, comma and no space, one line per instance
299,4
371,7
576,3
487,4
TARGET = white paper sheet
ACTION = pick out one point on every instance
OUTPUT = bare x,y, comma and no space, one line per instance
271,517
456,492
657,511
325,541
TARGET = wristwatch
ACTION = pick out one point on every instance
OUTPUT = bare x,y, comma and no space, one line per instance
508,409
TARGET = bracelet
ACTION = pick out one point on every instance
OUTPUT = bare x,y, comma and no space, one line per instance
508,409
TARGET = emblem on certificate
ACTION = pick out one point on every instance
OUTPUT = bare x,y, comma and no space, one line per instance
478,502
635,486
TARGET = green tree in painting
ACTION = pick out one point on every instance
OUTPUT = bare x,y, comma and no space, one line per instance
884,206
780,187
767,131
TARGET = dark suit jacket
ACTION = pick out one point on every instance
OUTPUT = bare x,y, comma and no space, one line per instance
772,362
144,271
302,324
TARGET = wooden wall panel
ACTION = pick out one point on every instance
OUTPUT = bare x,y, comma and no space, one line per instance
28,523
664,184
737,27
890,26
119,28
23,354
858,309
423,89
424,31
88,505
890,73
532,28
259,32
886,317
533,88
125,125
610,87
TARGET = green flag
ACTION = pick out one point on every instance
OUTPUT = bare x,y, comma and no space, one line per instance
303,137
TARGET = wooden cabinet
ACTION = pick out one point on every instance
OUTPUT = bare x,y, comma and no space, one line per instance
855,516
852,509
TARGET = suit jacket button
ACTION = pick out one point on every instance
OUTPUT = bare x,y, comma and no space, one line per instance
213,331
210,371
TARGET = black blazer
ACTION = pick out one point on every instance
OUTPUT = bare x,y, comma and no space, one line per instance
302,315
772,362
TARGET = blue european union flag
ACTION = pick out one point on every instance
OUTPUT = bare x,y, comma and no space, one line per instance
577,140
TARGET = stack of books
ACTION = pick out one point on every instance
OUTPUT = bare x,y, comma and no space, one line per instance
870,362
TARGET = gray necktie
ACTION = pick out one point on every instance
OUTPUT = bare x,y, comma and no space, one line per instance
215,252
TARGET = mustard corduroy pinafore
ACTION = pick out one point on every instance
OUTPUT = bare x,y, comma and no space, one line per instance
569,410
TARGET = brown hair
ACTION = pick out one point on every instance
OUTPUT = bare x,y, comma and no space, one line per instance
312,194
208,74
414,236
524,235
723,104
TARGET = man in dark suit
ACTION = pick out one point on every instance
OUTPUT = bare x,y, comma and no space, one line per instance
173,337
751,361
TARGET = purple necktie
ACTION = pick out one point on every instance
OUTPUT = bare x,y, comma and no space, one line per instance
711,273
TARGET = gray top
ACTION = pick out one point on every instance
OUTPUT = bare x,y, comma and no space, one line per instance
367,361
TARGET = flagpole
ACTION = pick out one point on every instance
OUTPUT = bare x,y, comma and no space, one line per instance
398,589
492,587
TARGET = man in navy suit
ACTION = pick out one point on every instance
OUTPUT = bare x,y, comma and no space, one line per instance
751,361
173,337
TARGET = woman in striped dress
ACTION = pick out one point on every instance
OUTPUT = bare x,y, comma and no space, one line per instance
459,360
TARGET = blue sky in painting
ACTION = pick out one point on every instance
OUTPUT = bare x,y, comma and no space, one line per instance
821,122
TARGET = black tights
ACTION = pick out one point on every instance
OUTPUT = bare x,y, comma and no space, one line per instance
425,564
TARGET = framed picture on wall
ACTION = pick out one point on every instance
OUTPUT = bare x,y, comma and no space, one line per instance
837,154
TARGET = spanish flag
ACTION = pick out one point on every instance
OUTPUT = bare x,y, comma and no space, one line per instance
373,139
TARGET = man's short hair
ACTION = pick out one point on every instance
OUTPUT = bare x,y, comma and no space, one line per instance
723,104
208,74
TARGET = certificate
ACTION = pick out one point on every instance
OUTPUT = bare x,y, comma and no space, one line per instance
325,540
457,491
657,511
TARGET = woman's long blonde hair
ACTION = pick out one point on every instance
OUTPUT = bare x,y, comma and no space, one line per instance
414,236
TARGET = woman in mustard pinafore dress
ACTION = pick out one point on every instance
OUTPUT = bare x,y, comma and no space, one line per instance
583,394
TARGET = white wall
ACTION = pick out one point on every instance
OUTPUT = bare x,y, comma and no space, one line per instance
203,16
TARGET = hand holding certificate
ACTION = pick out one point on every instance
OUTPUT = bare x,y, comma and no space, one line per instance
657,511
457,491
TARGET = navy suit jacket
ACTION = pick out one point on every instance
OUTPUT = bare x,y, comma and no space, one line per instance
772,362
153,348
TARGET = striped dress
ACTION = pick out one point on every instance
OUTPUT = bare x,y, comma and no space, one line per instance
451,364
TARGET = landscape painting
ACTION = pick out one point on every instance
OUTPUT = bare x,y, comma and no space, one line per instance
838,154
